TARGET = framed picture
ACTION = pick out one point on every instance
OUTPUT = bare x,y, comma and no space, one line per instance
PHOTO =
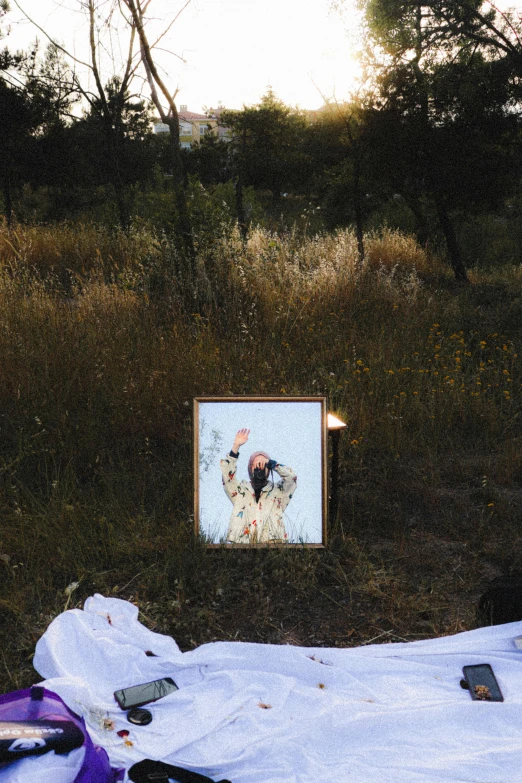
260,471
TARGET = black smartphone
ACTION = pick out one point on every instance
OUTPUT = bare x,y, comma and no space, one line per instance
137,695
482,683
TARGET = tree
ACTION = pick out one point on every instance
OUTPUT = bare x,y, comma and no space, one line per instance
481,23
110,104
338,144
209,160
430,57
74,162
16,125
267,149
159,93
4,55
110,108
268,144
49,86
123,154
403,31
4,8
18,120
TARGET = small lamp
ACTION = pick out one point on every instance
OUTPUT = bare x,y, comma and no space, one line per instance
335,427
334,424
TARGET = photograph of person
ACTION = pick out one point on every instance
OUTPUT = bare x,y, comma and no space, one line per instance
258,504
259,471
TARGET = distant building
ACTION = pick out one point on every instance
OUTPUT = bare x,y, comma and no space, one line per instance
192,126
223,133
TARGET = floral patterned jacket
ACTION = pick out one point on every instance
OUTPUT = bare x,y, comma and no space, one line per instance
252,522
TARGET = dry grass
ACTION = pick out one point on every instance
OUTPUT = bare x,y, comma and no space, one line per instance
106,337
82,249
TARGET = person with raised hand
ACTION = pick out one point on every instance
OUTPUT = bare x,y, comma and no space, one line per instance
258,504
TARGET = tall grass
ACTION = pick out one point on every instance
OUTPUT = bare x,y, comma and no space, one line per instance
106,337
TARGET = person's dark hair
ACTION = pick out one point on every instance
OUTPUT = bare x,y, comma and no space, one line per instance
259,477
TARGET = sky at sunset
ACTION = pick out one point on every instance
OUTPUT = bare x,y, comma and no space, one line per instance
233,49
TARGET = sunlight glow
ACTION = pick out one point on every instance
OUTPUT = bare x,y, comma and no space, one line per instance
234,49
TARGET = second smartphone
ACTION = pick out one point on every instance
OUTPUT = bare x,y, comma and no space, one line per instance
137,695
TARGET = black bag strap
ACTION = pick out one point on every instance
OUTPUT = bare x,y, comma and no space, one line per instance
149,771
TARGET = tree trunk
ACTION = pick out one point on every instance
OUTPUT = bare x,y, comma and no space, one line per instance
422,231
171,118
178,173
8,199
120,189
238,185
116,131
357,197
114,175
240,208
112,124
457,264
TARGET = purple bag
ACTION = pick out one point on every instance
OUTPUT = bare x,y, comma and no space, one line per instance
35,720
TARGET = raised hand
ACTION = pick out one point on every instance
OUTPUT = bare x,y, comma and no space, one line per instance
240,439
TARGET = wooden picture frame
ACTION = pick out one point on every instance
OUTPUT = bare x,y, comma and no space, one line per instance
291,509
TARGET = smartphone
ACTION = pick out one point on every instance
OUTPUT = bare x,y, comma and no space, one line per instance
482,683
137,695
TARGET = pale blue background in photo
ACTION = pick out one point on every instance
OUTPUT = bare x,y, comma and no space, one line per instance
290,432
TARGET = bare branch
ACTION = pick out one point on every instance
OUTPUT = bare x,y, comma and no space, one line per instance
169,51
128,69
153,91
52,40
137,15
164,33
94,66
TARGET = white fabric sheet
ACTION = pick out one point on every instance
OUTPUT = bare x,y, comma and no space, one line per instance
255,713
49,768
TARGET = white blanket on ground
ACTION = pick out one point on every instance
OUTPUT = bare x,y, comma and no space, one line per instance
256,713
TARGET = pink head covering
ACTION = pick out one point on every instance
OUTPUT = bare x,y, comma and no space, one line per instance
252,459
